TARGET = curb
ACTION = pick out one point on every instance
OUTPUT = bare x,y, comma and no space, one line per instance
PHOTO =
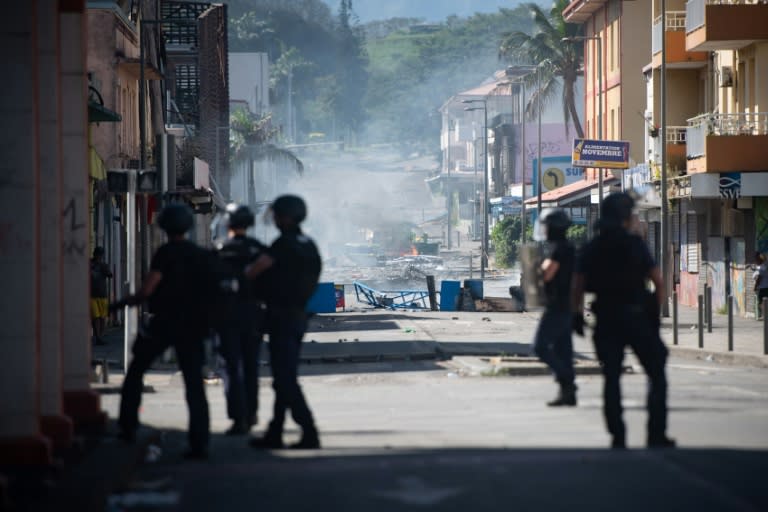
727,358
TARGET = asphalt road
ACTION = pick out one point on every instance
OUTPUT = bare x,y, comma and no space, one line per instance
419,435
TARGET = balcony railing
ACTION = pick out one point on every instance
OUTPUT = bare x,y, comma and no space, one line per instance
695,10
676,134
722,124
695,17
675,23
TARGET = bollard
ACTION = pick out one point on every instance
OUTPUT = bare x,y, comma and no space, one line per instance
432,293
708,306
701,321
730,323
674,318
765,327
104,371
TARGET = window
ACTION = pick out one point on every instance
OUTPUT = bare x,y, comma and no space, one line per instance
612,135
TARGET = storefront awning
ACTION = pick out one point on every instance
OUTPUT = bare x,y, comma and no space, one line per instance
569,193
100,114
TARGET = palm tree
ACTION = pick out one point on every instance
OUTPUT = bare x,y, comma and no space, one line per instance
250,138
562,59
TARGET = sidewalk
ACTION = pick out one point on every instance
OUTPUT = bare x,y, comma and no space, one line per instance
748,334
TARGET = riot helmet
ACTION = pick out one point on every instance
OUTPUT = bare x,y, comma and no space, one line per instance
551,225
239,216
176,219
290,206
616,210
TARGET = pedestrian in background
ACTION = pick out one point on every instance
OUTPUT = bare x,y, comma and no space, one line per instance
553,343
99,295
615,266
240,322
175,289
760,278
291,269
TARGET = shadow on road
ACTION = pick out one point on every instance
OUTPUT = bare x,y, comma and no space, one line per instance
462,478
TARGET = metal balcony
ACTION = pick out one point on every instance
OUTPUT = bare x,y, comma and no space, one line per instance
725,24
677,56
727,142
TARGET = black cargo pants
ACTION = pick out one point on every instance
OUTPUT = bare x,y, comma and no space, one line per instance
631,326
190,354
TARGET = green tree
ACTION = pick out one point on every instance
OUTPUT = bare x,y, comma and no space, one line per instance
506,240
351,72
415,69
563,58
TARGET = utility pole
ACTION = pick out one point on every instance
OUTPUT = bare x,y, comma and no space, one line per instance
448,186
664,249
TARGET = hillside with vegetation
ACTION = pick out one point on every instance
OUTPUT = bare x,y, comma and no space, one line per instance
379,82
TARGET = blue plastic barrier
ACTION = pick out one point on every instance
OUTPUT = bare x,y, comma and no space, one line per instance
475,287
323,300
449,295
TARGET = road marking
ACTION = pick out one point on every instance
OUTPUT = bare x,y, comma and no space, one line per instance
413,491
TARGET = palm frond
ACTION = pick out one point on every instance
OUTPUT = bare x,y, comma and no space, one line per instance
280,156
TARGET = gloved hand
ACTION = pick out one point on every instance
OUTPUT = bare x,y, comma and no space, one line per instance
116,306
578,323
133,300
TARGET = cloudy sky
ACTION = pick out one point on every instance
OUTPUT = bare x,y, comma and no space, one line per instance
431,10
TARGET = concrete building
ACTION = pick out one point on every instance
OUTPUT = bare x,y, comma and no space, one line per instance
113,68
720,194
196,79
462,144
625,43
44,225
249,81
716,135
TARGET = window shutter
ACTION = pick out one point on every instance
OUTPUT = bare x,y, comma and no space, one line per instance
692,242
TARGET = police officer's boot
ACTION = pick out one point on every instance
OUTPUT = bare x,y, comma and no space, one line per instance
661,442
565,397
272,440
310,440
238,428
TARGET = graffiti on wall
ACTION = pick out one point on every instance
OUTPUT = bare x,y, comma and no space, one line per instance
73,243
716,271
688,289
739,275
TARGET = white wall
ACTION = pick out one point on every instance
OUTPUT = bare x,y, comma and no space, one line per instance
249,80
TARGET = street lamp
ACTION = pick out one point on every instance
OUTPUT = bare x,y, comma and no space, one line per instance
520,72
599,96
484,242
448,186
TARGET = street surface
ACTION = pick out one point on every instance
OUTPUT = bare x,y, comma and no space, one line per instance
444,433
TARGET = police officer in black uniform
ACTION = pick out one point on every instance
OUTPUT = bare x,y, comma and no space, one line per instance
553,343
179,319
240,322
616,265
291,269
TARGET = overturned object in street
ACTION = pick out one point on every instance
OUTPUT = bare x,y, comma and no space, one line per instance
391,299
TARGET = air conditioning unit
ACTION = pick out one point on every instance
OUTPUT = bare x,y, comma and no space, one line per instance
726,76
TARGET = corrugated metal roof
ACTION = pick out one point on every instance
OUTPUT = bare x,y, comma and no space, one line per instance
567,191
